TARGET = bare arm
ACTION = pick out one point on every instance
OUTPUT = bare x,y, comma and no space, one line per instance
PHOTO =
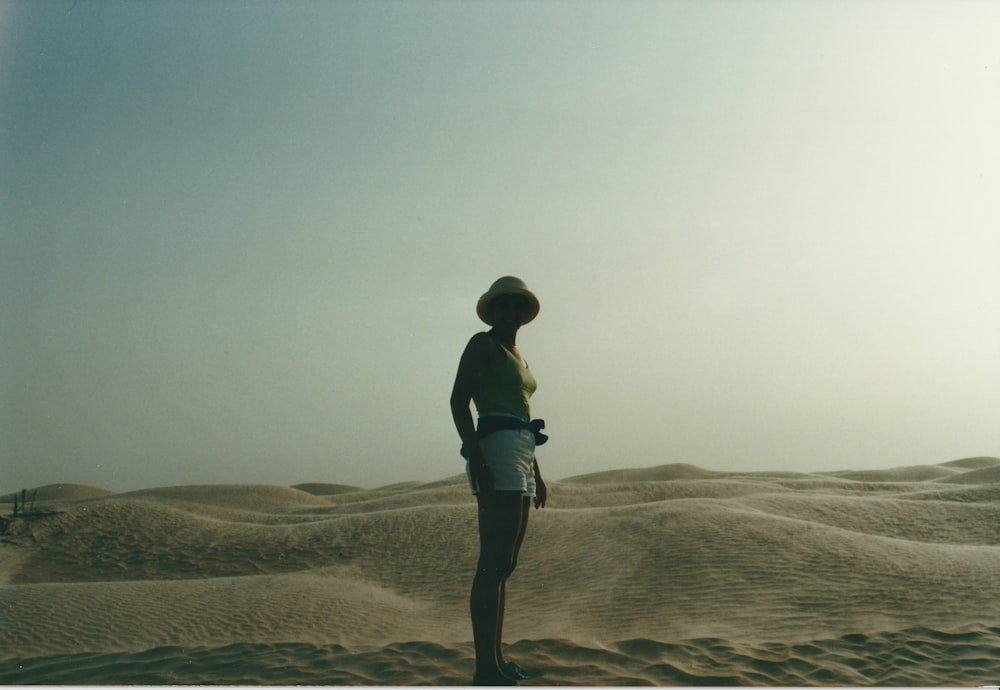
476,361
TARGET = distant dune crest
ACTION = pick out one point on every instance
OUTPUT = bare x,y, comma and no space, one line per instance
648,474
60,492
976,463
318,489
662,575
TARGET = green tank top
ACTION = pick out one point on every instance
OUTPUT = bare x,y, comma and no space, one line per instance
506,389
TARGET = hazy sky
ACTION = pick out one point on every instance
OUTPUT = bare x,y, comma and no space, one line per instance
242,241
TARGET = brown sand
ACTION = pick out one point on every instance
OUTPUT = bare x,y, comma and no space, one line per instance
666,575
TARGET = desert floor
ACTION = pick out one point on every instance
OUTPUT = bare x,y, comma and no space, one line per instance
671,575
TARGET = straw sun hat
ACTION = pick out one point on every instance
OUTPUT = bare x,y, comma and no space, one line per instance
508,285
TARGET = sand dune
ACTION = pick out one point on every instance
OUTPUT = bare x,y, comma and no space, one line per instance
976,463
59,492
664,575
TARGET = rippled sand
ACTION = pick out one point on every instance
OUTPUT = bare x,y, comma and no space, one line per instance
665,575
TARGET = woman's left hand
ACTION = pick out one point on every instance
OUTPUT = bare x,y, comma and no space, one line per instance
541,493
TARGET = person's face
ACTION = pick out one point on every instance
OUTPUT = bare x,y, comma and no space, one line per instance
509,311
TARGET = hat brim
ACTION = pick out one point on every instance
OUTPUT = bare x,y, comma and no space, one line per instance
483,305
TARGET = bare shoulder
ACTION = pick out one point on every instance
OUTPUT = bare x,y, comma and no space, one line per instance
482,349
480,342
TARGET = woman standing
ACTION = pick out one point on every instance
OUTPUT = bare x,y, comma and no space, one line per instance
500,461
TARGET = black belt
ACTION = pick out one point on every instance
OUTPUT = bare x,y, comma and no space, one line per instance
489,424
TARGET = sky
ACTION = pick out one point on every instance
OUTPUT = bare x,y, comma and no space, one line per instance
242,241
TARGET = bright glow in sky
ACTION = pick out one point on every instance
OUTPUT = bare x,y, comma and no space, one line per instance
242,241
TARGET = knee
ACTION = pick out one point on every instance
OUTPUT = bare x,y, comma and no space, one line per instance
496,570
510,568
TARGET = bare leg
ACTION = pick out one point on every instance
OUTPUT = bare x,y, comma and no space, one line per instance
525,511
500,533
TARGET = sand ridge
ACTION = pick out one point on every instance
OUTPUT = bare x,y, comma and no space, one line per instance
668,575
906,658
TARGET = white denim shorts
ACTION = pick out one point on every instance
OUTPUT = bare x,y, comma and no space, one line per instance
511,455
